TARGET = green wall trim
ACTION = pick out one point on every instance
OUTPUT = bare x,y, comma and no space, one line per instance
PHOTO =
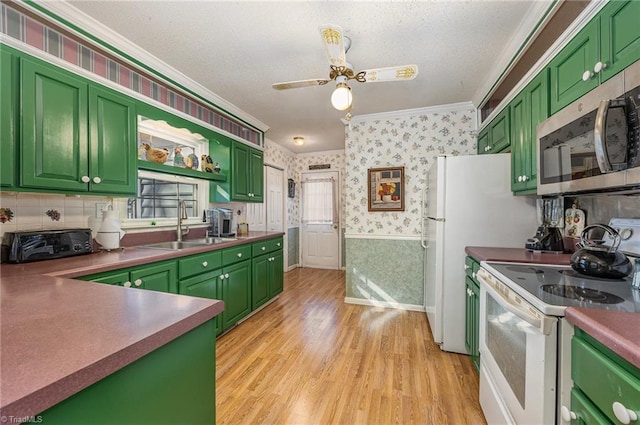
385,270
131,59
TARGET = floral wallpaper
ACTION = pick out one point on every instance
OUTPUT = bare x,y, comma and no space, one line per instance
411,140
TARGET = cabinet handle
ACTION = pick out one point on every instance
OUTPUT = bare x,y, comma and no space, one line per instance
85,179
137,282
278,244
466,267
226,276
205,264
525,178
599,66
239,255
127,284
221,277
264,248
586,76
97,180
473,275
567,415
624,415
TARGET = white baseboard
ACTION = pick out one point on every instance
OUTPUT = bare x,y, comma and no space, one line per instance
293,267
430,310
384,304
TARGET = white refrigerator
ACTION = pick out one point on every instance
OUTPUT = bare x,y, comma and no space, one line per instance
467,202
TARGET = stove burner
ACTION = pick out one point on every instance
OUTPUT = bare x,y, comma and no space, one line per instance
582,294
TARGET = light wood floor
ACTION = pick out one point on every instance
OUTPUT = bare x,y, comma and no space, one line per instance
309,358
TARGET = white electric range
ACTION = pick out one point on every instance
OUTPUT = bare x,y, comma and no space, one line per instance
524,340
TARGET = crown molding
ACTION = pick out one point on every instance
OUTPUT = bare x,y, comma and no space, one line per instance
320,153
112,39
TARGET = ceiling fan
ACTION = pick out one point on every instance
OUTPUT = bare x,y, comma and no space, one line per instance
337,44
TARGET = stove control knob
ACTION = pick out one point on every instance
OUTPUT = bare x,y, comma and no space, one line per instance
625,234
624,415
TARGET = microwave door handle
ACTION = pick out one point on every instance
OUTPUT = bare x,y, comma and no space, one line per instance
600,137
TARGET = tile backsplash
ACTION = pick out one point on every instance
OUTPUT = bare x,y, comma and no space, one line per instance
30,211
601,208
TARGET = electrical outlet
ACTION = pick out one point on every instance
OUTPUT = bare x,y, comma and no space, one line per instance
99,207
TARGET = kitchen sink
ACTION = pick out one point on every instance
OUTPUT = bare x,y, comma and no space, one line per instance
177,246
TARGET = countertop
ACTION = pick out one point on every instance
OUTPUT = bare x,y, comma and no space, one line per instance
516,255
61,335
617,330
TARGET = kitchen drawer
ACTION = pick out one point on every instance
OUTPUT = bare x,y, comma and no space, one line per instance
603,378
233,255
264,247
199,263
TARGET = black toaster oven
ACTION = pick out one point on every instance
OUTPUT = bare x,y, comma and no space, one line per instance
26,246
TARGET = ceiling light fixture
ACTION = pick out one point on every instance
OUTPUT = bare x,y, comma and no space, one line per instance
298,140
341,98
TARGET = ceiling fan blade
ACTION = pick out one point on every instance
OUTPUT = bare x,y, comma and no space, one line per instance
300,83
332,37
392,73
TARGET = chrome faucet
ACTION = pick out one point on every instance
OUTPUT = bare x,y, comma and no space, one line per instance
182,215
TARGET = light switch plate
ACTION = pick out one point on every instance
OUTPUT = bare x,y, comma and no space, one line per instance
99,207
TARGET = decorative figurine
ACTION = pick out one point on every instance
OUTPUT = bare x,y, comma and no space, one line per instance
191,161
206,163
156,155
217,167
178,158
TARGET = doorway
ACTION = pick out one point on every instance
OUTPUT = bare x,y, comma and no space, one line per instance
320,227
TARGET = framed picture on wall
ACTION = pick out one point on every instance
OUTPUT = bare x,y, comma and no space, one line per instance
386,189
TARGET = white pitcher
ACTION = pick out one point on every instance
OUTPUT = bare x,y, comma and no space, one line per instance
110,233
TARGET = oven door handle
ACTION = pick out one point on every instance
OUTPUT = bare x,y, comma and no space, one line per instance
541,322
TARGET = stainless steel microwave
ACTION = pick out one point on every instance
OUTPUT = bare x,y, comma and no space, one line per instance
592,144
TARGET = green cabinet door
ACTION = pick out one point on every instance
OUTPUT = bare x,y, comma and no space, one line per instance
528,109
53,129
586,413
256,160
483,141
113,166
236,293
8,106
205,285
499,139
619,36
156,277
276,273
260,283
117,277
247,173
568,67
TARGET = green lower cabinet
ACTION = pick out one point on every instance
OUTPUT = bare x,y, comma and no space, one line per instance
268,276
603,378
472,311
236,293
175,384
162,276
205,285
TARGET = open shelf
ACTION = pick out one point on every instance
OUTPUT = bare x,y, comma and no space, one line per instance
179,171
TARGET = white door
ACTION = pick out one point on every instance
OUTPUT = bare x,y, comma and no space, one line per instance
275,199
320,238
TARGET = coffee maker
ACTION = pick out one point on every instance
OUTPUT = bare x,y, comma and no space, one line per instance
548,237
221,223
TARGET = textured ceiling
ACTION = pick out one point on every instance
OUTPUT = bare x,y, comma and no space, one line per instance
238,49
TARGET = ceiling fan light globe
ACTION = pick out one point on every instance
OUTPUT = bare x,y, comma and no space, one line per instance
341,98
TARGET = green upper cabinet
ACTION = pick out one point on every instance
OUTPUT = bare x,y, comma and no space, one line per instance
75,137
604,47
112,127
528,109
246,173
8,106
619,36
54,152
495,137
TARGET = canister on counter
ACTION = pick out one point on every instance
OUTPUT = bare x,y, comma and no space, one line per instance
243,229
